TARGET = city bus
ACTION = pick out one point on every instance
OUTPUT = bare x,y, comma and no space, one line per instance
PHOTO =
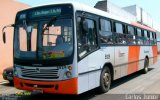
71,48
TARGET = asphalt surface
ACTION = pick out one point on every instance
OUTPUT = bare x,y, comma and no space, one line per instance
137,86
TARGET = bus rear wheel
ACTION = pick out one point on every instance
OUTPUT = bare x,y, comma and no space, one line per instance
146,64
105,80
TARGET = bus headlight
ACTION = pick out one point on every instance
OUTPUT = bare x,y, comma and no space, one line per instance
68,74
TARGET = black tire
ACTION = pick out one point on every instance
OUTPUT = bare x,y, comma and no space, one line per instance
11,82
105,80
146,64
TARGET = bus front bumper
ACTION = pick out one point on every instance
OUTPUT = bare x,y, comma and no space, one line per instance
55,87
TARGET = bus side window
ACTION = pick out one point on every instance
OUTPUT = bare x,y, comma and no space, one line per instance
154,38
139,36
148,35
131,35
105,31
120,36
87,41
146,38
151,38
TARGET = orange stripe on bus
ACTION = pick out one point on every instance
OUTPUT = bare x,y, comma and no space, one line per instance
155,51
133,56
64,87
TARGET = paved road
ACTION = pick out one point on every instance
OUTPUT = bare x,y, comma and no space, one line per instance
126,88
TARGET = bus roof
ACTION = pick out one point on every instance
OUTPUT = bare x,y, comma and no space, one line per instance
86,8
82,7
142,26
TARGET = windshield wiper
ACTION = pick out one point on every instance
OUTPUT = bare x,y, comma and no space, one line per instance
49,23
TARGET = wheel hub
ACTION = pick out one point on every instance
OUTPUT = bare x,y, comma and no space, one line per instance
106,79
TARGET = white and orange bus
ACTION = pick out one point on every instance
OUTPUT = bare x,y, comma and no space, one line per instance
70,48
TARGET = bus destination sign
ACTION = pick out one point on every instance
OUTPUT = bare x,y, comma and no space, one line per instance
46,12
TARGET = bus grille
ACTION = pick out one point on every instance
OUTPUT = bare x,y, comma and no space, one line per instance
41,73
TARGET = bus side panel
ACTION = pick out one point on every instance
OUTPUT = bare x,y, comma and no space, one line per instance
121,61
89,69
144,51
133,58
154,49
82,83
109,52
150,56
82,78
95,61
147,51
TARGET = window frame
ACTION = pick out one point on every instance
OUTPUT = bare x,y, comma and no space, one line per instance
133,34
117,35
130,27
93,18
101,31
116,22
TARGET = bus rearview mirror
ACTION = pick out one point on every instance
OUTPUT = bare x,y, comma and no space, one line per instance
4,37
4,33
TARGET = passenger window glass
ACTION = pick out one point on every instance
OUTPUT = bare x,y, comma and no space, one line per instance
105,25
130,30
146,39
145,34
119,28
155,35
155,38
148,34
151,38
139,32
105,32
120,36
131,38
87,41
139,37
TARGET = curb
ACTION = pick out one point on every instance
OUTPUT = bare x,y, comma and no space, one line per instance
3,82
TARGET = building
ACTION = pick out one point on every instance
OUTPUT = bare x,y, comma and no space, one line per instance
114,10
8,11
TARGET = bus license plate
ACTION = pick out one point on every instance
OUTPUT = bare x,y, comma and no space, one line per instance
37,91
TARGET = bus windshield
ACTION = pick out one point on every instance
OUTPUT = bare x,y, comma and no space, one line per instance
57,39
40,40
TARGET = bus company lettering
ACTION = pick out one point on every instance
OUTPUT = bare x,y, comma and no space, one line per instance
120,54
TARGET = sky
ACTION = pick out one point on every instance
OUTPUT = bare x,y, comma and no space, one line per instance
150,6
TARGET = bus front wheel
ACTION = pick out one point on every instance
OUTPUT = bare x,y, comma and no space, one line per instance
105,80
